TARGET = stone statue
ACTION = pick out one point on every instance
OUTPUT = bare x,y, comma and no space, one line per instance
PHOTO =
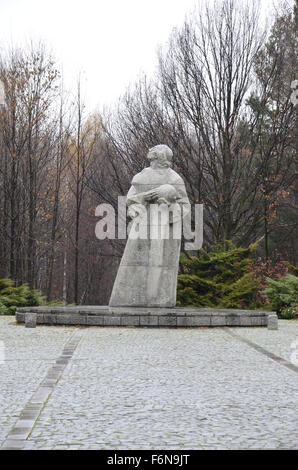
157,200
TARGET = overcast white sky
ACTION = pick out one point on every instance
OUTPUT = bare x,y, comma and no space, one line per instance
110,41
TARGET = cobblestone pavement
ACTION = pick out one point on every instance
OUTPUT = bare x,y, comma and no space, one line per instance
130,388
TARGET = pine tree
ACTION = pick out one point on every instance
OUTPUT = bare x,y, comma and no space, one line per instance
219,278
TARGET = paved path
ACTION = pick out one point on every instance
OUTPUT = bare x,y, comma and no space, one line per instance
129,388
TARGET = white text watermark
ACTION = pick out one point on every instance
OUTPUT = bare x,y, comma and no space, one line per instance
151,222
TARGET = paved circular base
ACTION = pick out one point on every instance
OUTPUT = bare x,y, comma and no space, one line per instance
148,388
152,317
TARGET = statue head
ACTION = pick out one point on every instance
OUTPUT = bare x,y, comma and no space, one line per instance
160,156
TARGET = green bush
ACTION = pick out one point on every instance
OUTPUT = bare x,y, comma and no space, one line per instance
291,268
289,313
219,278
283,295
12,297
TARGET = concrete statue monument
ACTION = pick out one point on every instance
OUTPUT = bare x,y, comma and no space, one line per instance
157,200
144,292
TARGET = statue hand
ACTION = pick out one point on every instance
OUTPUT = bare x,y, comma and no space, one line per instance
151,196
165,193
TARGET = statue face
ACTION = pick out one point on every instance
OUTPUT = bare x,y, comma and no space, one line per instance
159,159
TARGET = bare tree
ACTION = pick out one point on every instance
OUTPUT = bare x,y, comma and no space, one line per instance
60,163
205,77
81,154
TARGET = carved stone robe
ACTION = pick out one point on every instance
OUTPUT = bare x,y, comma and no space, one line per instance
147,275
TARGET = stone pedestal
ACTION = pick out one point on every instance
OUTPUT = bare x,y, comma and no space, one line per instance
144,317
30,320
272,322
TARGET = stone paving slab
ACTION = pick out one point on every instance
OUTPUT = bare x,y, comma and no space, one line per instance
28,355
22,429
284,343
129,388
